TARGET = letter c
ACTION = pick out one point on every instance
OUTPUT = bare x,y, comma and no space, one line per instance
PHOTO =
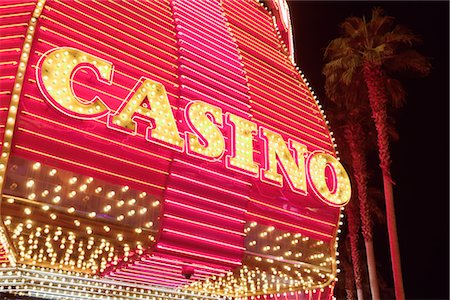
54,78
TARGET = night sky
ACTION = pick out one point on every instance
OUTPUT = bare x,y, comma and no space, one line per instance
420,156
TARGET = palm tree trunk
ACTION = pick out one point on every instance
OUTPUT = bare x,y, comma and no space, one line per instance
373,278
350,277
349,285
354,136
353,229
373,77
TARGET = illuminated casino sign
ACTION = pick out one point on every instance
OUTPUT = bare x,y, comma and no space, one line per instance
148,103
165,149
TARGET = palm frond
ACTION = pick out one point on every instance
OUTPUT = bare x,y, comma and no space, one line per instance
396,92
378,42
400,35
409,61
352,27
379,23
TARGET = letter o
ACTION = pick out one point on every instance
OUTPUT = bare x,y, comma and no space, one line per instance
340,192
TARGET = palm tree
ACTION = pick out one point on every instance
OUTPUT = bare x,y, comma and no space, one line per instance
355,141
353,239
349,271
367,55
349,119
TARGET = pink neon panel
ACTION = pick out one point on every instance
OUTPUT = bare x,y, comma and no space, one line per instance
225,53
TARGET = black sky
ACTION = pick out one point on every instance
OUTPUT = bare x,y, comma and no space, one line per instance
420,157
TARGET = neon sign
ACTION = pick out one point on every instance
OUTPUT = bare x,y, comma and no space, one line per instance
147,105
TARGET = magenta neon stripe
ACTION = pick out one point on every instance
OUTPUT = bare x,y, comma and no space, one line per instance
156,61
255,38
287,133
292,130
196,51
212,172
282,74
237,79
161,71
152,8
206,199
295,103
208,47
196,94
247,26
95,169
253,28
283,112
262,55
132,29
213,28
204,211
180,8
157,265
209,185
162,34
208,240
211,39
217,95
139,150
296,227
234,80
204,28
208,5
119,56
162,24
210,78
249,44
144,273
124,64
169,273
253,14
86,17
189,252
156,279
204,270
300,95
204,224
262,47
293,213
213,269
135,279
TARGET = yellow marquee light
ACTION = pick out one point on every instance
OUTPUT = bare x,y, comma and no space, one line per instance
339,191
58,67
165,129
242,157
204,120
293,168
